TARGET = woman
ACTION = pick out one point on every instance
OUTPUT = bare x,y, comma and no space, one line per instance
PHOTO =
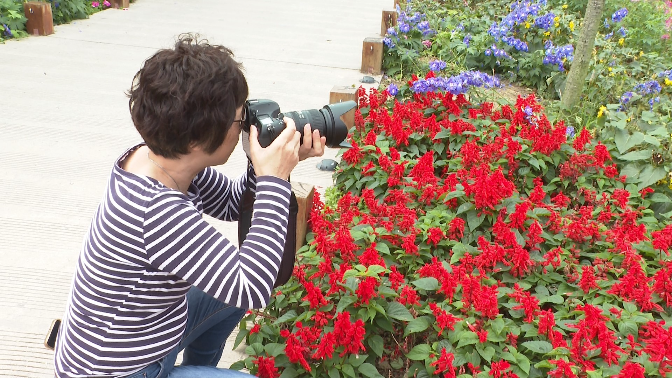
153,277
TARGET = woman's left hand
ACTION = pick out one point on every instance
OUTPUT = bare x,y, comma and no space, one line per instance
313,144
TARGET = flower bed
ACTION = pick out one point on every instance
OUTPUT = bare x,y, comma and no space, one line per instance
473,240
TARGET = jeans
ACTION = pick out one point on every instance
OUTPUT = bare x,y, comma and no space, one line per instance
209,324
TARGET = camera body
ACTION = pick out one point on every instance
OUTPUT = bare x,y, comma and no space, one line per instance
265,115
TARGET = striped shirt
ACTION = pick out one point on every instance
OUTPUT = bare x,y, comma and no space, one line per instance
147,245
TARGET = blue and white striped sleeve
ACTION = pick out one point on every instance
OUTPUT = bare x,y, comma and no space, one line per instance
220,195
179,241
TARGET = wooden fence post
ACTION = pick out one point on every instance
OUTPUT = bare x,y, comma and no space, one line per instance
389,20
120,4
304,197
372,56
341,93
40,19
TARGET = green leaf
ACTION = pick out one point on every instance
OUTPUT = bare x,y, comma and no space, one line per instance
467,338
348,370
238,365
650,175
523,362
497,325
429,283
369,370
464,207
540,346
333,373
289,372
274,349
398,311
240,337
289,315
419,352
628,327
660,197
345,301
377,345
637,155
625,141
557,299
474,220
487,353
416,325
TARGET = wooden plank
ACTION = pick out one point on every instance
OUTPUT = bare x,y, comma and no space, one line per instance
389,20
40,19
341,93
372,56
304,197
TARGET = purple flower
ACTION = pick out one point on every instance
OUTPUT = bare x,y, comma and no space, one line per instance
437,65
392,32
545,21
626,97
456,84
388,42
622,31
392,89
570,132
404,27
619,15
467,39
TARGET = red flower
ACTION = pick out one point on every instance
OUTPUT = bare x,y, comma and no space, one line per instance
560,200
314,295
499,370
587,279
456,229
353,154
445,365
409,296
255,329
583,139
546,322
644,192
435,235
663,283
528,303
564,369
517,219
663,239
266,367
489,188
444,319
325,348
295,350
367,289
621,197
631,370
408,244
482,335
396,278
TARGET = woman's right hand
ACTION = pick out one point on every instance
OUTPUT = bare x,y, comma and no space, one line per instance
281,156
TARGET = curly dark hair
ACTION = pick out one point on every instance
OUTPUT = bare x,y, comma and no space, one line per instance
187,96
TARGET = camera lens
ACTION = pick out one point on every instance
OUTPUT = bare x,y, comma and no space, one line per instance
326,120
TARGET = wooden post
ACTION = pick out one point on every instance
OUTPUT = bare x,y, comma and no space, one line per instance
40,20
120,4
397,2
304,197
389,20
372,56
344,93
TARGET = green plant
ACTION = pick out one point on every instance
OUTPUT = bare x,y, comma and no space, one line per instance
12,19
473,240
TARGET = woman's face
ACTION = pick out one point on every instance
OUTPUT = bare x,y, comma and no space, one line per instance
222,154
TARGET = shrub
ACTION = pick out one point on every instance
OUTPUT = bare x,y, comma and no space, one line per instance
12,19
473,240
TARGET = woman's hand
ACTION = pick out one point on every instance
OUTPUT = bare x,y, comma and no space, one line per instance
313,144
281,156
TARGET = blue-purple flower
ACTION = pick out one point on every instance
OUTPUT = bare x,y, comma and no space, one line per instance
458,84
619,15
388,42
545,21
467,39
570,132
392,89
437,65
7,31
557,55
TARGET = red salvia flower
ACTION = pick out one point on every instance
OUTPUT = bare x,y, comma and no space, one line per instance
456,229
631,370
435,235
528,302
583,139
663,283
646,191
314,295
367,289
663,239
563,370
371,257
587,279
444,319
266,367
408,244
601,154
354,154
538,194
482,335
255,329
409,297
517,219
325,348
396,278
560,200
499,370
295,350
444,365
621,197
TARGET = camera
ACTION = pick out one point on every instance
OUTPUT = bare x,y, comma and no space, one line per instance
266,117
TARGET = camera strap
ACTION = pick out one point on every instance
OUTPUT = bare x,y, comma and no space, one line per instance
289,255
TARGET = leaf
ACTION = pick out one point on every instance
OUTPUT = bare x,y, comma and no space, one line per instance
274,349
474,220
625,141
650,175
289,315
345,301
467,338
419,352
637,155
660,197
487,353
628,327
333,373
289,372
398,311
348,370
523,362
369,370
429,283
497,325
539,346
376,344
416,325
557,299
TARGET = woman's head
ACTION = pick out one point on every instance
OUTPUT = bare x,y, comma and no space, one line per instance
187,96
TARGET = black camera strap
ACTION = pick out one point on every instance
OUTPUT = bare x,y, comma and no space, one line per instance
289,255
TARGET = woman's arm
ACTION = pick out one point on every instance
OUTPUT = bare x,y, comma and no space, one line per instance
220,195
179,241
